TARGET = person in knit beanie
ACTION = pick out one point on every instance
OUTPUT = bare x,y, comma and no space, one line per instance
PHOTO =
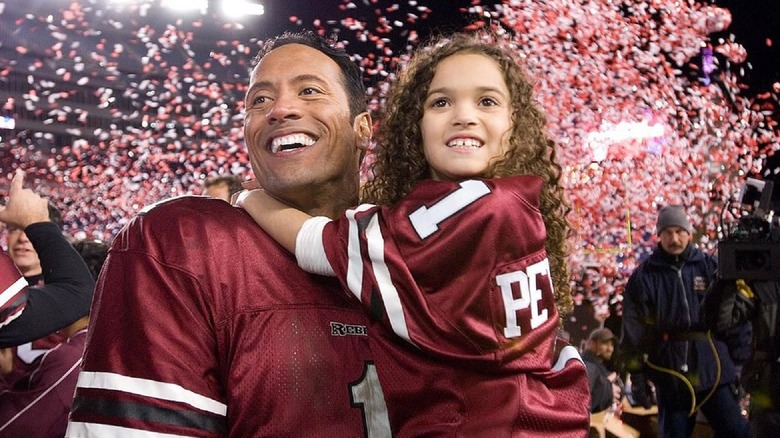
666,342
674,232
672,215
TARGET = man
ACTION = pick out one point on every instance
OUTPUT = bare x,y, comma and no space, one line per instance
39,402
35,395
736,301
202,325
28,313
666,339
222,186
60,294
604,389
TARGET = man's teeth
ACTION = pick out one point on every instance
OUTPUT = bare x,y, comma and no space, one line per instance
291,141
464,143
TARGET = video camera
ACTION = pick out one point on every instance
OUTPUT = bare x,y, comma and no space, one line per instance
751,250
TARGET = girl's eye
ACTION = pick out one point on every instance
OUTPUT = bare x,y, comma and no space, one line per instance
488,101
439,103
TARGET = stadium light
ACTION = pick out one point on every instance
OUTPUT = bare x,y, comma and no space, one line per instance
625,131
185,5
238,8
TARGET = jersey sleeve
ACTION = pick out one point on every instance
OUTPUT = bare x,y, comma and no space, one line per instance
150,360
457,269
309,251
13,291
28,313
39,405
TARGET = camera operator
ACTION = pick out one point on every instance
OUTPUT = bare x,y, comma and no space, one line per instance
666,341
733,302
748,290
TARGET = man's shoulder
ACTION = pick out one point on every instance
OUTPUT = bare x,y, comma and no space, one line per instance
191,223
644,270
187,205
193,211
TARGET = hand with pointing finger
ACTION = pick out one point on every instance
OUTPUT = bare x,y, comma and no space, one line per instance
24,207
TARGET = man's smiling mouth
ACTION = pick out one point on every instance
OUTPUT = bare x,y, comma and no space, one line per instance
291,141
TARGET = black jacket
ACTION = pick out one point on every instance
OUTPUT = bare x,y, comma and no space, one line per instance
663,320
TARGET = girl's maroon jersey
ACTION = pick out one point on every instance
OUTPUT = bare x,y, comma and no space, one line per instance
203,326
457,279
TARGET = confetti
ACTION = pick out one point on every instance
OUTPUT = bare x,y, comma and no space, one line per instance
141,106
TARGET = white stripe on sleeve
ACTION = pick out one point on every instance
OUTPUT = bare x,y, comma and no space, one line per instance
7,295
393,305
567,353
150,388
95,430
354,259
10,292
309,249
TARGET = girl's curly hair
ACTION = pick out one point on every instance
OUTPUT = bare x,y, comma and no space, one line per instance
400,162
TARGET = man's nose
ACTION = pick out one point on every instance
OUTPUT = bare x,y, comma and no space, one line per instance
23,237
286,106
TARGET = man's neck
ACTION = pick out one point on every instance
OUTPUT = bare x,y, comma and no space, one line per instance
326,201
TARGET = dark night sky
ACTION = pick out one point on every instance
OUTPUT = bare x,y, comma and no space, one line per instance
755,25
755,22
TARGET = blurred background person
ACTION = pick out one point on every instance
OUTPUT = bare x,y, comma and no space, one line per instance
222,186
36,396
606,387
36,309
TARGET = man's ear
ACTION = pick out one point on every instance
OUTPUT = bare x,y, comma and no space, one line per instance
362,125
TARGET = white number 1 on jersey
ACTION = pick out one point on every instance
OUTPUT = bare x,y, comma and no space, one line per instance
426,220
368,396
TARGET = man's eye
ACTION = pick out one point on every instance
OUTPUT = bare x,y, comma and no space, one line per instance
309,91
257,100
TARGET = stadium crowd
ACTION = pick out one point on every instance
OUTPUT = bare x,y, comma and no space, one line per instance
118,106
645,97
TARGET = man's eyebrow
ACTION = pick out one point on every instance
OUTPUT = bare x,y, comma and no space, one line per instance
309,78
296,80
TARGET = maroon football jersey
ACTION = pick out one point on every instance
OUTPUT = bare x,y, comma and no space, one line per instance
38,406
457,277
13,290
203,326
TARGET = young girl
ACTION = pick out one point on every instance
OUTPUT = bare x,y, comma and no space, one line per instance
461,262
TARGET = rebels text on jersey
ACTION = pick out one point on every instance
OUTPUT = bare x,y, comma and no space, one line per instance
203,326
457,278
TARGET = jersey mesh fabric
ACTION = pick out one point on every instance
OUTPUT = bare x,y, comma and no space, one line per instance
457,281
203,326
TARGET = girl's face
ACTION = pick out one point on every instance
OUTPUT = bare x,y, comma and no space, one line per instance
467,117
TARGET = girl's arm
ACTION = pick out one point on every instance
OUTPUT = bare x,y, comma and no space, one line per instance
278,219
